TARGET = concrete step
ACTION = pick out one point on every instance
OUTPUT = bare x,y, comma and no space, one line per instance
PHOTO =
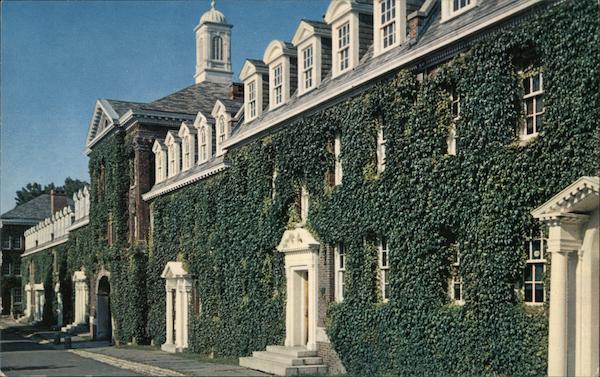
280,369
296,352
287,359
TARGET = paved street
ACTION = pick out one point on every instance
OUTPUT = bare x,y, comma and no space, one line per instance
22,357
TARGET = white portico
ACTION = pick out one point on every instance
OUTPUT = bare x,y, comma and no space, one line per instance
301,267
36,299
178,286
572,217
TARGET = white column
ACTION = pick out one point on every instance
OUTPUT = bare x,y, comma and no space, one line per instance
29,302
76,315
289,313
564,240
313,288
187,289
169,311
178,316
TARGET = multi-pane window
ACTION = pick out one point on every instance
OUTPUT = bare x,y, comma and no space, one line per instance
533,102
337,149
222,130
217,48
171,160
186,152
252,98
307,73
344,46
203,145
388,22
340,270
159,172
17,267
16,242
456,283
6,242
380,148
455,113
460,4
277,84
384,267
6,268
17,296
535,270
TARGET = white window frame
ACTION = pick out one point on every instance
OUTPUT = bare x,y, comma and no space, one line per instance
384,267
388,23
337,150
221,133
381,142
277,72
532,261
449,10
252,99
343,41
455,114
204,140
456,279
532,96
340,271
308,70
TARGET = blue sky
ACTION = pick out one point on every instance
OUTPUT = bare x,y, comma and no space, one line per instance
58,57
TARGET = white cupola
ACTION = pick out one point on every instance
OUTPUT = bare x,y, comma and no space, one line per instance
213,47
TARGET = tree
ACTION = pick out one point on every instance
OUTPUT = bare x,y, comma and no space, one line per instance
33,190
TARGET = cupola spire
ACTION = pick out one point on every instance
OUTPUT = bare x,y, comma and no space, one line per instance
213,47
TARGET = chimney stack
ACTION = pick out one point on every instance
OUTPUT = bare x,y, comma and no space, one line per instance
58,200
236,90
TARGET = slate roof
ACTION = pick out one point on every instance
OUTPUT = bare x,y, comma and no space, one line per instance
318,26
232,105
37,209
190,100
433,31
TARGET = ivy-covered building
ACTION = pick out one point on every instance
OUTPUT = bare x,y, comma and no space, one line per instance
407,187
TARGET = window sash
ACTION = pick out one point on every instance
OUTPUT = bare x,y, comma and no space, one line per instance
460,4
344,46
340,270
384,267
252,98
307,54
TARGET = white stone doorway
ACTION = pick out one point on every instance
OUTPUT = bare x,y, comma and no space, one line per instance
178,288
81,298
573,220
301,260
103,312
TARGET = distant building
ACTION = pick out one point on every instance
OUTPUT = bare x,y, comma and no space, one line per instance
13,225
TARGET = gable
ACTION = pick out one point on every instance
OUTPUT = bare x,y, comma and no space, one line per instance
303,32
174,270
103,120
580,196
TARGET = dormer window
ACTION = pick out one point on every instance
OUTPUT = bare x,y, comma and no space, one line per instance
390,24
217,48
203,146
277,85
344,46
252,99
160,162
453,8
352,31
174,154
188,145
313,44
206,139
255,75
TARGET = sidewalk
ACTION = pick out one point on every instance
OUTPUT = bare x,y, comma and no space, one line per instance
182,364
140,359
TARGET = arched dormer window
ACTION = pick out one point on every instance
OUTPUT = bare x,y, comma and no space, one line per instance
188,145
221,132
216,51
174,154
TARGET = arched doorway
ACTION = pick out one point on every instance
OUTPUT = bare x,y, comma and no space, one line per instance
103,313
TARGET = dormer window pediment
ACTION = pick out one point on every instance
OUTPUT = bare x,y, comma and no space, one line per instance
223,126
160,161
173,143
206,139
187,134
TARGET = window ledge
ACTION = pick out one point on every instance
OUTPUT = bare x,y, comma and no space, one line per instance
525,140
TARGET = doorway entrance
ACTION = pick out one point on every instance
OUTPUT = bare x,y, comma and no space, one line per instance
103,313
301,267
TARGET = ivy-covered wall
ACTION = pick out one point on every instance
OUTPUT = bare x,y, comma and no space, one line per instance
226,228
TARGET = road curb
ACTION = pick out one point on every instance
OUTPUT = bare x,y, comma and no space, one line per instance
126,364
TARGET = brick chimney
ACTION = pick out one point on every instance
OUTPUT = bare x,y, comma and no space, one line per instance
236,90
58,200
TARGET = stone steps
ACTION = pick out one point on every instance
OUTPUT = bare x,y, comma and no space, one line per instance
286,361
74,328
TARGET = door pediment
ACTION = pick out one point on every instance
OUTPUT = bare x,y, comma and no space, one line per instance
296,240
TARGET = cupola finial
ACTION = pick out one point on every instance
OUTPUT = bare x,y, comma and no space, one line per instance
212,4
